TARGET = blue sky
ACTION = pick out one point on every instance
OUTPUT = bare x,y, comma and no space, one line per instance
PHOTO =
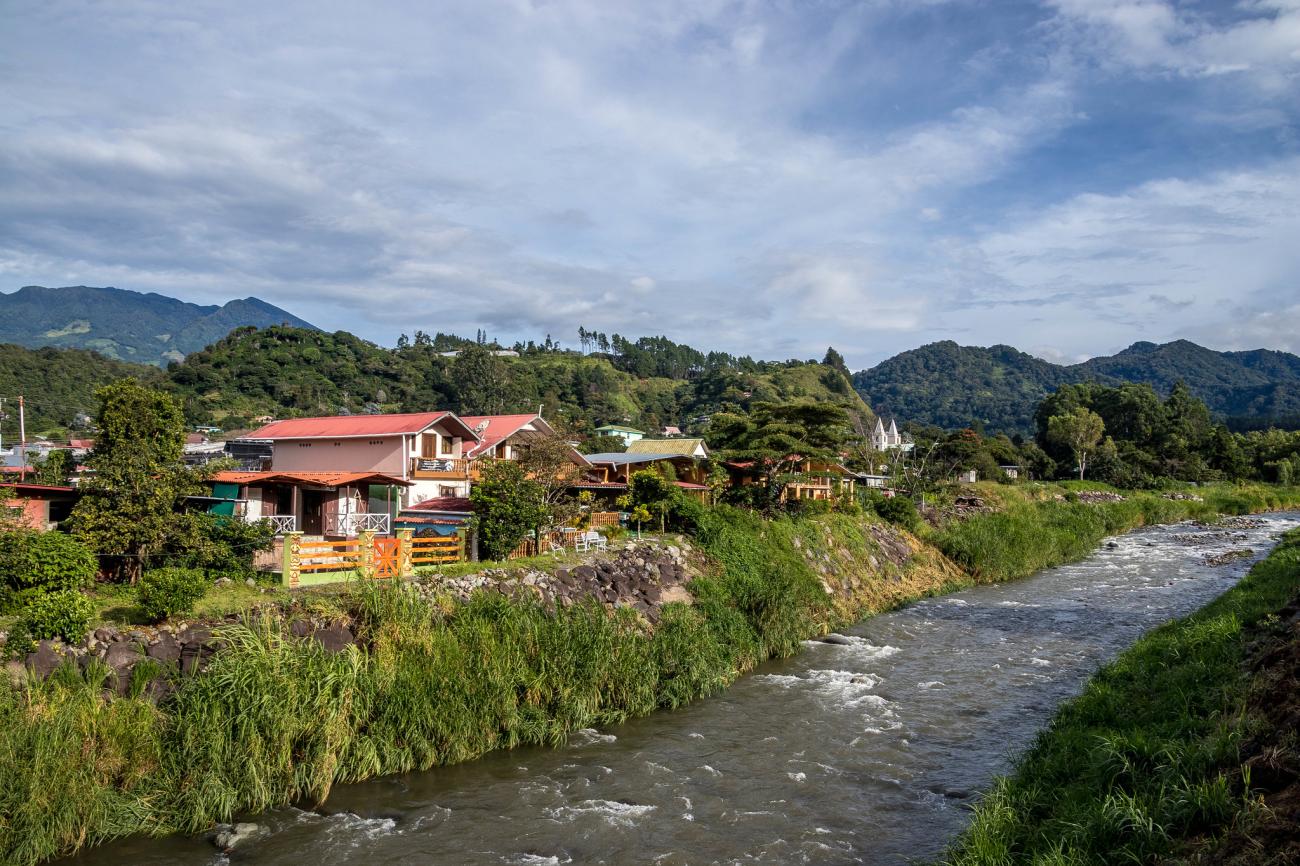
764,178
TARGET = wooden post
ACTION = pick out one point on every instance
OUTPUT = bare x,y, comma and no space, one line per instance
292,559
404,566
366,547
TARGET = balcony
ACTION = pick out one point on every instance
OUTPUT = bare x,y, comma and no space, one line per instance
349,525
439,467
281,523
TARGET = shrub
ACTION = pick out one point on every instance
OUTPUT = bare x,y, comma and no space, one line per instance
32,563
898,510
64,613
166,592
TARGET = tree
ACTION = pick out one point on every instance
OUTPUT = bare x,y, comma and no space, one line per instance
482,381
507,504
1080,430
56,468
129,508
835,360
551,463
777,438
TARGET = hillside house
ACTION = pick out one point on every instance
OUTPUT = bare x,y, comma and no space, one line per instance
686,447
813,479
347,465
611,472
627,434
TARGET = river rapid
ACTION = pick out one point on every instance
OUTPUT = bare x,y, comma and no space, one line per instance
868,750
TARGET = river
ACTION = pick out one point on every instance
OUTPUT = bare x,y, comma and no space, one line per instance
871,750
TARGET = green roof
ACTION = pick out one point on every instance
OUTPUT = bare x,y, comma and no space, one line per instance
620,429
665,446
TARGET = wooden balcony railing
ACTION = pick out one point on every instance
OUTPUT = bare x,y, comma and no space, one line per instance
348,525
439,467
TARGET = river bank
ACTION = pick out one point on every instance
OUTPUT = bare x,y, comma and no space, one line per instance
275,719
1184,748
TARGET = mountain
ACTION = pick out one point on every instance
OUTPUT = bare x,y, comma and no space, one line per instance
57,386
1257,384
129,326
955,386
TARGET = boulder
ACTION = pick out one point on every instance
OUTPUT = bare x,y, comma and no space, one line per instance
228,837
837,639
45,660
166,651
122,657
300,628
335,638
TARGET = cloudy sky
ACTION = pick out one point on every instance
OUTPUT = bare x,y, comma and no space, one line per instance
765,178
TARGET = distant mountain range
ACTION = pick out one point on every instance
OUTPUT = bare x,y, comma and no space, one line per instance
129,326
999,387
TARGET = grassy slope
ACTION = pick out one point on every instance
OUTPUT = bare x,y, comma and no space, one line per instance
275,720
1146,758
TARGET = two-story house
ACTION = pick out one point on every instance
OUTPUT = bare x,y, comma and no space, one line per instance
336,475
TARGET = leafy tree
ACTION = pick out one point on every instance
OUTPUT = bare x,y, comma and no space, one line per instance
128,512
605,443
507,505
56,468
550,462
1079,429
482,381
776,438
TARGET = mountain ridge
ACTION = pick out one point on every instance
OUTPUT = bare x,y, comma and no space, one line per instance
998,387
141,327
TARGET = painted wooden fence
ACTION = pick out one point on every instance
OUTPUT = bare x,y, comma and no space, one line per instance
372,556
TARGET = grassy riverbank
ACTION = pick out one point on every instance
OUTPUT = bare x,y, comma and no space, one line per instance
275,720
1147,764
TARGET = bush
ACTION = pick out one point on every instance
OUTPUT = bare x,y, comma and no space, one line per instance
64,613
32,563
898,510
221,546
166,592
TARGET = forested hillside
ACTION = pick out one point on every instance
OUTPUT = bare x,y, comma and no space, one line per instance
281,371
956,386
57,384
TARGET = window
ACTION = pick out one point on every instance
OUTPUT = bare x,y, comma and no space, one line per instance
444,490
304,444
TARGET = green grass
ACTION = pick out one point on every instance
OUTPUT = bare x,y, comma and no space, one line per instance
1031,533
1143,759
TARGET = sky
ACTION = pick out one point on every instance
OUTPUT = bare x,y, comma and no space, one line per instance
763,178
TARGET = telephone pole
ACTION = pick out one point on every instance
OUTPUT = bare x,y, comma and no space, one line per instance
22,439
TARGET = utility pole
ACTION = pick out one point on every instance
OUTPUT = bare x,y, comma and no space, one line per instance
22,439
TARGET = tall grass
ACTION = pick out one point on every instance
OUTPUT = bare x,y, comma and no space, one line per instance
1141,760
1027,535
274,720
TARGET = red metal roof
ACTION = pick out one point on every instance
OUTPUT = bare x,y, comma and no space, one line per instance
442,503
499,428
321,479
352,426
686,485
24,488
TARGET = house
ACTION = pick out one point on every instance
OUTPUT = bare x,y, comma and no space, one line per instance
398,459
875,482
611,472
506,437
890,439
814,479
689,447
670,431
1011,471
627,434
327,504
38,506
967,476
